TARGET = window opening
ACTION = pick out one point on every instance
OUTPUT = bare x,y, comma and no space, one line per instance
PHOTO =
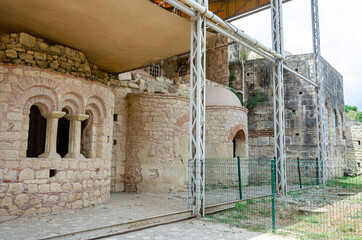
63,135
36,133
155,70
182,71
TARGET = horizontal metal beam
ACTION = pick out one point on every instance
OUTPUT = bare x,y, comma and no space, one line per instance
236,37
300,75
238,40
229,27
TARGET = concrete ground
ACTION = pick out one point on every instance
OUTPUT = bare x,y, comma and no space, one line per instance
121,207
198,230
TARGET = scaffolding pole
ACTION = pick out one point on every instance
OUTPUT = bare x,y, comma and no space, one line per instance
278,90
319,94
197,109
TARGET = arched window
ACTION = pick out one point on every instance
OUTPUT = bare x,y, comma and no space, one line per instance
240,147
37,132
63,135
86,136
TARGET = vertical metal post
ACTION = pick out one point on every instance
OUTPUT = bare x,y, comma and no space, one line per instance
278,90
319,94
243,79
299,174
273,178
239,178
197,108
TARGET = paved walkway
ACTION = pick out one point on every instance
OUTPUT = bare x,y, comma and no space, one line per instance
198,230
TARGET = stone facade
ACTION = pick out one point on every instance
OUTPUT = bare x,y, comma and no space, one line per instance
301,137
354,147
157,143
49,183
24,49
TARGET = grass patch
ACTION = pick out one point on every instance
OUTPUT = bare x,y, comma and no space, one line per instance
346,182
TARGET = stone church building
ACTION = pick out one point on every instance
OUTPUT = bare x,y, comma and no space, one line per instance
70,133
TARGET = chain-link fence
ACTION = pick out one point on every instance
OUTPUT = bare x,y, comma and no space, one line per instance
308,210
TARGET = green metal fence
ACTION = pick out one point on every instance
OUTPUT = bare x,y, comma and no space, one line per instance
308,210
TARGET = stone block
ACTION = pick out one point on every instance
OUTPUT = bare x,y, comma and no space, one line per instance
21,200
127,76
11,54
27,40
26,174
32,188
5,87
55,187
16,187
44,188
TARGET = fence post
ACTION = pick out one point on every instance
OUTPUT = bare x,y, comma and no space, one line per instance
239,177
273,191
317,171
299,175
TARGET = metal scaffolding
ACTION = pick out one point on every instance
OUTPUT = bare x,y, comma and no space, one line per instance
197,109
202,17
278,90
321,137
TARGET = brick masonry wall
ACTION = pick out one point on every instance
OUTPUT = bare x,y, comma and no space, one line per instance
24,49
26,187
222,124
157,143
217,63
20,88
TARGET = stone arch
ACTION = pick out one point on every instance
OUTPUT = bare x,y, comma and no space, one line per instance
45,98
240,144
73,101
97,106
236,129
88,136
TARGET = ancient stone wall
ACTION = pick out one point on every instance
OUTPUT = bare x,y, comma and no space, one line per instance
301,137
217,61
157,143
50,183
24,49
354,147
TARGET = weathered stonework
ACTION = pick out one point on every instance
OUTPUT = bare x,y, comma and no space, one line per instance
157,143
24,49
354,147
50,183
301,137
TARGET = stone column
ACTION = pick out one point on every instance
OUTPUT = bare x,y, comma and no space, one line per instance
51,135
75,135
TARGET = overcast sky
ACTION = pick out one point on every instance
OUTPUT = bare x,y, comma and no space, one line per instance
341,37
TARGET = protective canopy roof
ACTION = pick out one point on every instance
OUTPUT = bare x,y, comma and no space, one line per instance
116,35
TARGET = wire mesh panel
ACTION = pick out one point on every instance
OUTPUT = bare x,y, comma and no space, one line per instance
313,210
243,187
309,210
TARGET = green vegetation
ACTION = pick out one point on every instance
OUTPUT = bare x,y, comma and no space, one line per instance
346,182
258,97
353,113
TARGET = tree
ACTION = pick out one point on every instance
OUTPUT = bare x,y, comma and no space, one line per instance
348,108
359,117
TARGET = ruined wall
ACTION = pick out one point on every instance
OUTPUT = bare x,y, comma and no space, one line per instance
217,61
157,143
50,183
301,137
24,49
354,147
